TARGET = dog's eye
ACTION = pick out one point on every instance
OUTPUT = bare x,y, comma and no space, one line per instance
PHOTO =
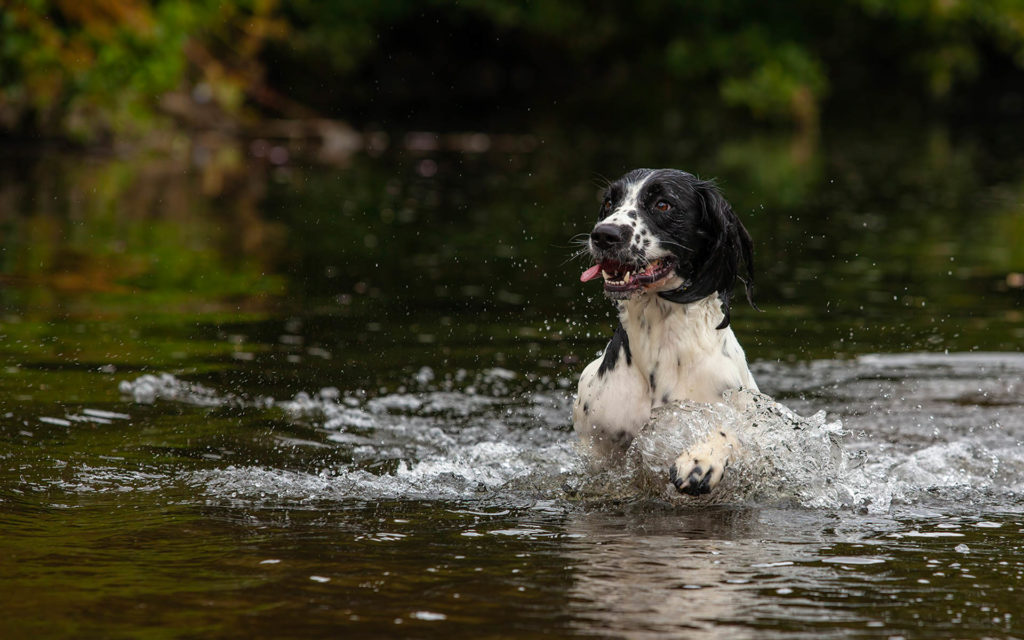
662,206
607,206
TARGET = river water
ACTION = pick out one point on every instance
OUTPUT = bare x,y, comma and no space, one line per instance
246,399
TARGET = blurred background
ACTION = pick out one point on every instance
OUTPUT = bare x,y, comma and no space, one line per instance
182,181
365,210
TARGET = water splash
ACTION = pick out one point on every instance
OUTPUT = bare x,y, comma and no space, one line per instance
484,442
148,389
782,457
494,436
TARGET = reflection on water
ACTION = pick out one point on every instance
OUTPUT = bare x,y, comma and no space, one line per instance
816,575
281,401
876,243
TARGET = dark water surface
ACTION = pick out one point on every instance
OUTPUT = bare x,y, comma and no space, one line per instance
240,399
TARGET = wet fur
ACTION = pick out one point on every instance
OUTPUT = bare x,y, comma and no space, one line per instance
674,342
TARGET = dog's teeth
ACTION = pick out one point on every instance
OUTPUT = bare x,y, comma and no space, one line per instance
626,278
607,276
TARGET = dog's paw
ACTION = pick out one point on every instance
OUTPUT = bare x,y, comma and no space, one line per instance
697,478
699,470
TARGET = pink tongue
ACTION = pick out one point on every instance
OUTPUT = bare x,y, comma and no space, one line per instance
591,273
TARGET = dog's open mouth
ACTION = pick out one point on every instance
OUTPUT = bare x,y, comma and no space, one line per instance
622,278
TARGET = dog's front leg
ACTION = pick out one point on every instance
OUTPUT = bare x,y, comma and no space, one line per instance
700,469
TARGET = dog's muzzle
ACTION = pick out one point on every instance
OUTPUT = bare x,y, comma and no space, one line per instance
610,237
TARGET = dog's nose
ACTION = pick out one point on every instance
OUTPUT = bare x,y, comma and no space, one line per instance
606,236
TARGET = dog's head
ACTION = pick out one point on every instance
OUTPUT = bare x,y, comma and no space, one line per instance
666,232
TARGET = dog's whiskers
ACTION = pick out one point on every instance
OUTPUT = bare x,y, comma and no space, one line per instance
681,246
601,182
575,254
578,240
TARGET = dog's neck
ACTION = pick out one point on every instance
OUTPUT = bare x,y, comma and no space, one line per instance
664,331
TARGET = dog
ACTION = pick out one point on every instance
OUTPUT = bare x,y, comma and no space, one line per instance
670,249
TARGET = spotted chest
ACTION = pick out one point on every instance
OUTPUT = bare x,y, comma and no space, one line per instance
681,353
662,352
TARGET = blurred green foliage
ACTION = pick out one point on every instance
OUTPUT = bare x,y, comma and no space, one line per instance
88,68
85,69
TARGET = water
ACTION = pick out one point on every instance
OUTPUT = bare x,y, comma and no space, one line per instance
456,505
242,414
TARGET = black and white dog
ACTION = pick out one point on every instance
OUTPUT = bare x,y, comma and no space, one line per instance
670,250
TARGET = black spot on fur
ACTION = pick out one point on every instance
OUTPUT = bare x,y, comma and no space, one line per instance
664,399
618,343
651,379
586,407
623,438
632,215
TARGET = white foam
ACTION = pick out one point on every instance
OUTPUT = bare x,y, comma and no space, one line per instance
108,415
919,434
148,389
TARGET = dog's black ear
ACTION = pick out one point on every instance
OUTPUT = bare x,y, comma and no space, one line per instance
723,248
